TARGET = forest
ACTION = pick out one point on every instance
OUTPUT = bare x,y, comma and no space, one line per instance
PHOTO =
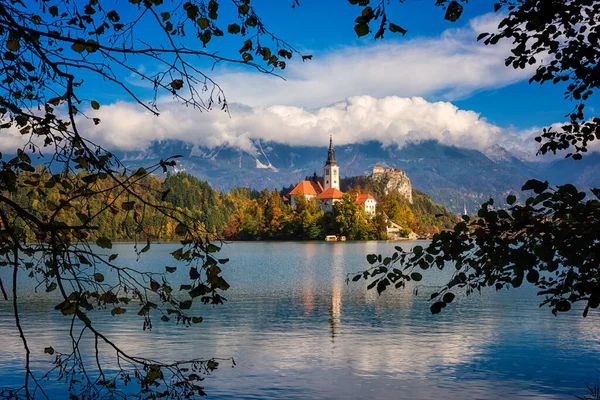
240,214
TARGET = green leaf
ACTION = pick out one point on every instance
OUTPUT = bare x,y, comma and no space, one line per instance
118,311
437,307
454,11
233,29
372,258
448,298
361,29
95,105
415,276
128,205
49,350
104,243
186,305
535,185
510,200
171,269
51,287
181,229
397,29
196,320
53,11
98,277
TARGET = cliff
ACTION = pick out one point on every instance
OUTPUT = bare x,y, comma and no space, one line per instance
395,180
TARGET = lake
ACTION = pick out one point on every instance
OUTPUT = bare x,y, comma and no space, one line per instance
296,331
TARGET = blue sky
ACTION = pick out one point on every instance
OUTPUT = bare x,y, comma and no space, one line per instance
435,83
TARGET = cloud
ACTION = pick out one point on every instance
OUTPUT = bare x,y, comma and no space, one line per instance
449,66
390,120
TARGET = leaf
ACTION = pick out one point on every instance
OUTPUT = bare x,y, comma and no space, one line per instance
49,350
372,258
128,205
177,84
437,307
199,290
196,320
51,287
118,311
171,269
481,36
397,29
112,257
95,105
211,248
186,305
104,243
203,23
78,47
361,29
533,276
454,11
448,298
563,306
154,286
535,185
98,277
415,276
13,45
511,199
181,229
53,11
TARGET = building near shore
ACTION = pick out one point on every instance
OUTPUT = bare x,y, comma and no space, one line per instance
329,192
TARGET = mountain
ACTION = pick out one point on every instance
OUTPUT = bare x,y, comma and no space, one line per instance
452,176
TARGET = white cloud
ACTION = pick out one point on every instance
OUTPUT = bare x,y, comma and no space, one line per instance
389,120
450,66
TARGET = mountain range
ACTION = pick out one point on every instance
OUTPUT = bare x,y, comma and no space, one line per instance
452,176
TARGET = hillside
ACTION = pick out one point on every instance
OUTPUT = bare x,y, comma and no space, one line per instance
454,177
239,214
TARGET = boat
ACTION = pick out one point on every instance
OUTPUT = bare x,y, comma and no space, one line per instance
330,238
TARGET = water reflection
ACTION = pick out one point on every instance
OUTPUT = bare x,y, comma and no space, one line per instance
297,331
337,282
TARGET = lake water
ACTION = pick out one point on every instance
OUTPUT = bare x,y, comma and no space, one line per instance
297,331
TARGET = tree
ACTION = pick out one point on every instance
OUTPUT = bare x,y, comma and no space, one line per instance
51,50
552,241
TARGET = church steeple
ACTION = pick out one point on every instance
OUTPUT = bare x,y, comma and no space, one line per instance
331,171
331,153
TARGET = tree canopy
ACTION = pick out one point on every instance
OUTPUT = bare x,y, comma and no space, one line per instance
551,241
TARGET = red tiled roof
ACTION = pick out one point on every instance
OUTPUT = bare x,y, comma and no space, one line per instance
331,193
362,198
307,188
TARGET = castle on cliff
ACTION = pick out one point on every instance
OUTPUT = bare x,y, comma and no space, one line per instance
396,180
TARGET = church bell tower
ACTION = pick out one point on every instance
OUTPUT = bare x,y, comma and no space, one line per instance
331,171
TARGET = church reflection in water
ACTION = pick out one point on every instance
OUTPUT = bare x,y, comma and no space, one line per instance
337,282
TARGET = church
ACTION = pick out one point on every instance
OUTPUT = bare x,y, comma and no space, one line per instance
328,193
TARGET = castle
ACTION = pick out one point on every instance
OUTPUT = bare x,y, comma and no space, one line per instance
329,192
395,180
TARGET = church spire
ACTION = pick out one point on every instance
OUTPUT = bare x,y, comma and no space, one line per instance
331,153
